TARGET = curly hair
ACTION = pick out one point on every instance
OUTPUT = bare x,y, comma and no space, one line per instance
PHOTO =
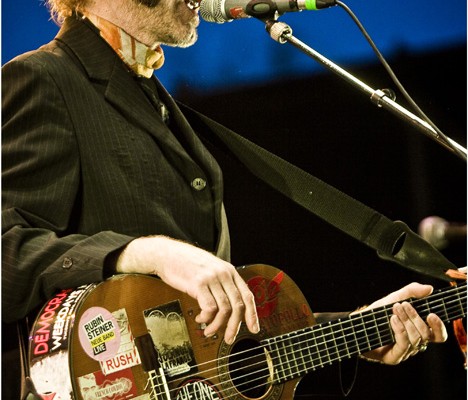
61,9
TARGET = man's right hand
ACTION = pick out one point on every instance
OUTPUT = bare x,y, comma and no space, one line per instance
223,296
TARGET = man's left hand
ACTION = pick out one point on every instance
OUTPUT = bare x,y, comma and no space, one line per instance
412,334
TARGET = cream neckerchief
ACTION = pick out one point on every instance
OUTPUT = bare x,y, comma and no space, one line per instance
140,58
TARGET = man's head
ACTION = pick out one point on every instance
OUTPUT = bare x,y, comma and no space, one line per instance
152,22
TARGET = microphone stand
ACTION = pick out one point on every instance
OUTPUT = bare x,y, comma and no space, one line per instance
282,33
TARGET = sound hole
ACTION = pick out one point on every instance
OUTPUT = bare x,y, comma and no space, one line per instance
248,368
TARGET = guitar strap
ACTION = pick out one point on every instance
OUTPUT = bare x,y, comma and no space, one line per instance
393,240
28,390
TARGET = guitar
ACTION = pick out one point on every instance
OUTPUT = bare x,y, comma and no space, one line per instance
134,337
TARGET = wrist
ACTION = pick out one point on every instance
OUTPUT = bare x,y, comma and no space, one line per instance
141,255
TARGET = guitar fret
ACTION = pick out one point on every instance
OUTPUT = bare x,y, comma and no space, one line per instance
382,327
461,305
286,358
376,329
362,341
388,314
278,367
339,346
341,343
318,360
427,309
355,339
309,360
365,319
447,319
439,309
333,339
322,347
293,361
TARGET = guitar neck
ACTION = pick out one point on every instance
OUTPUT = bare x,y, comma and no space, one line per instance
299,352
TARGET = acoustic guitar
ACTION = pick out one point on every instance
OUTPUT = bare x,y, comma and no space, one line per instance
134,337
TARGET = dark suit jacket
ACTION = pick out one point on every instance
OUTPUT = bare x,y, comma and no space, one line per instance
88,165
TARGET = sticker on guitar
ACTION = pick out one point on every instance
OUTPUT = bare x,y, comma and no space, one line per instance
99,333
117,386
266,293
127,355
197,389
168,329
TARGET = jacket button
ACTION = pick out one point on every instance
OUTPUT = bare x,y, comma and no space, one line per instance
198,184
67,263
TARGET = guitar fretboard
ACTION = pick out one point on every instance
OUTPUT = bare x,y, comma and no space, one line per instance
299,352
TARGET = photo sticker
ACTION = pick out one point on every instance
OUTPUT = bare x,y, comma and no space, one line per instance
168,330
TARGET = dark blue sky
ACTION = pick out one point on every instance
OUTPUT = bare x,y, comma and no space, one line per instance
241,52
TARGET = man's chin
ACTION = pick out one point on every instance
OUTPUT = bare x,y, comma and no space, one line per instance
187,42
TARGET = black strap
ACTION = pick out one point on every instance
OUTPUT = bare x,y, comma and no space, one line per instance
28,391
393,240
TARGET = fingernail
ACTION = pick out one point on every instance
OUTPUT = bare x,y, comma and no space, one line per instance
208,334
256,327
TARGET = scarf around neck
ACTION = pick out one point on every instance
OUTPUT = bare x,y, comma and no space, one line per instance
137,56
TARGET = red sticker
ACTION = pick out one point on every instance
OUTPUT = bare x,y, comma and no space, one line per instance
266,293
117,386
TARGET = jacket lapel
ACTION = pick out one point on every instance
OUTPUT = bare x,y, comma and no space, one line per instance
105,68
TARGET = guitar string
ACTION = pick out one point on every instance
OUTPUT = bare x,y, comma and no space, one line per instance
291,375
379,336
304,364
316,328
377,343
257,385
262,383
363,323
331,356
332,359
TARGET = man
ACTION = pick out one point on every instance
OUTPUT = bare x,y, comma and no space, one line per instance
103,174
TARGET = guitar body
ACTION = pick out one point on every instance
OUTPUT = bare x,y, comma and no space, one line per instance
134,337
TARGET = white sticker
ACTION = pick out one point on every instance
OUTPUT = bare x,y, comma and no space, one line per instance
127,355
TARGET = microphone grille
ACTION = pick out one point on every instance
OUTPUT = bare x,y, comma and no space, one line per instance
210,11
432,230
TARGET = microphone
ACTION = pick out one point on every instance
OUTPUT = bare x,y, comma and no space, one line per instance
440,233
221,11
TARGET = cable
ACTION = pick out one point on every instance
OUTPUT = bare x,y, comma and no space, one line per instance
397,82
